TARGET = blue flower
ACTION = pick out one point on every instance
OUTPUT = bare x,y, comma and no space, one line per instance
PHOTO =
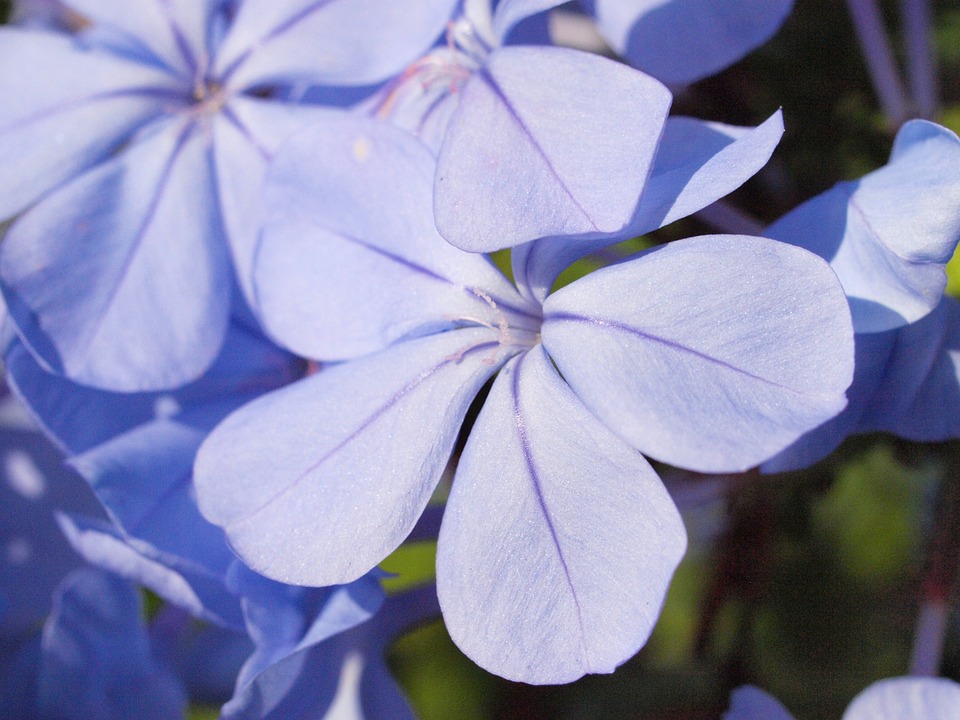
72,641
903,698
558,539
576,137
34,557
96,657
135,151
888,236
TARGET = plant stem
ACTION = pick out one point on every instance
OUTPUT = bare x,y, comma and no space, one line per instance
879,57
921,60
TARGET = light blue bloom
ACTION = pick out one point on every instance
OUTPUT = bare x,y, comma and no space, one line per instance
537,141
133,154
72,642
903,698
888,236
558,539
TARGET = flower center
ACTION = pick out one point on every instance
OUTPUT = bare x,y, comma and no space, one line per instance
209,96
428,82
516,327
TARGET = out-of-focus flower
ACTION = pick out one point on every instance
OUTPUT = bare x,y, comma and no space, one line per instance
133,154
904,698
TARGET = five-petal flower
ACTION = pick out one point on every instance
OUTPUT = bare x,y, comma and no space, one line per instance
136,150
558,540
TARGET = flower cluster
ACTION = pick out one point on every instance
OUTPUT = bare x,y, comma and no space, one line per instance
285,281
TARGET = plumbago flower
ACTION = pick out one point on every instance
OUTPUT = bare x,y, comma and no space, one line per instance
308,648
903,698
682,41
558,539
133,154
888,236
72,641
576,134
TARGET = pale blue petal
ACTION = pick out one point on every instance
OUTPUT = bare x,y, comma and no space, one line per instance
274,616
558,167
510,12
149,308
301,685
327,42
322,225
96,657
65,107
888,235
77,417
906,698
681,41
559,540
696,164
282,619
143,478
920,392
751,703
710,353
873,350
174,30
313,497
188,585
246,136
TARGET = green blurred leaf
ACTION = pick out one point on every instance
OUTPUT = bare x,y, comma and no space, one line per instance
871,514
410,565
439,680
671,644
203,713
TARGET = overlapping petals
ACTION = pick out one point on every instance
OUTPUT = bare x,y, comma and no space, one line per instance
889,235
550,173
84,269
686,376
327,42
331,495
696,164
96,659
89,102
891,258
344,489
165,105
137,451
